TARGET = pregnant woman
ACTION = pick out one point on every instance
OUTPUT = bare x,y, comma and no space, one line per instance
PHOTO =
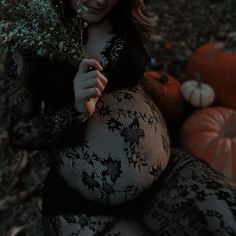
106,141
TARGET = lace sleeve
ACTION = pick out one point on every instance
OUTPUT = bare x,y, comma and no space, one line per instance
29,127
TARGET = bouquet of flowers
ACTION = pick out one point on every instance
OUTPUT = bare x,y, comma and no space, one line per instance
34,27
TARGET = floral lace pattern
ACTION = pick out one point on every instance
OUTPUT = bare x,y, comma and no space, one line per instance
85,225
112,52
129,157
189,198
192,199
117,160
30,129
110,158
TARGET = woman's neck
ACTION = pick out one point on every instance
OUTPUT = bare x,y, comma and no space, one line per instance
98,36
102,26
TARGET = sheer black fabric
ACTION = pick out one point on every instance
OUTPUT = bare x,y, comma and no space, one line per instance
188,198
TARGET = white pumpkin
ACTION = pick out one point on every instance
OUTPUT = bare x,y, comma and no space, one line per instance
197,93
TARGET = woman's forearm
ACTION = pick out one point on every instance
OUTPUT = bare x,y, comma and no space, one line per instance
29,128
61,128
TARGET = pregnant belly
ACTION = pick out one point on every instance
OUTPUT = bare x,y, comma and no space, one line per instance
125,149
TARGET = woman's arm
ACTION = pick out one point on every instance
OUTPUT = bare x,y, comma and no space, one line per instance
29,128
62,128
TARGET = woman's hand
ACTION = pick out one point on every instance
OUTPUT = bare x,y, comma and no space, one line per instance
88,87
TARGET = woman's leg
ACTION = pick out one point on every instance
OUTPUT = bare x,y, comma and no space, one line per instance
77,225
98,221
192,199
87,225
128,227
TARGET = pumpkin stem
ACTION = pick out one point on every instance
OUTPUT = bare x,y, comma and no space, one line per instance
230,43
163,78
197,77
164,74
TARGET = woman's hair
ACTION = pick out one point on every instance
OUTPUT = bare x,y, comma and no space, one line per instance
127,15
65,9
133,14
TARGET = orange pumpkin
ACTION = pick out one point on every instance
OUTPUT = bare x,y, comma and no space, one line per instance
210,133
165,91
215,63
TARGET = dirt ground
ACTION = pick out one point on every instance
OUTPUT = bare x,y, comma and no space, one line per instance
182,26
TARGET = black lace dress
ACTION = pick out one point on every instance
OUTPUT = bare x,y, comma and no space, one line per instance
131,192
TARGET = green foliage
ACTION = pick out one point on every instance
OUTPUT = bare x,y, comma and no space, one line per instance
35,28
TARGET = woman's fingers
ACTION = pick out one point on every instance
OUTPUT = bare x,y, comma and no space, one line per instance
92,74
88,86
88,63
89,93
90,83
89,80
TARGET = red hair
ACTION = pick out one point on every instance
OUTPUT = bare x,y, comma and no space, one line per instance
135,17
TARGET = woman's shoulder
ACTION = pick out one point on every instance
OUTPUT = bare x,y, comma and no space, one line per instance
130,61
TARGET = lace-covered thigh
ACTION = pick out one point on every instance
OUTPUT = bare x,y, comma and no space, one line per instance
192,199
87,225
126,147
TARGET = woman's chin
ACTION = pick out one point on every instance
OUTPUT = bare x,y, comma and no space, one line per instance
92,18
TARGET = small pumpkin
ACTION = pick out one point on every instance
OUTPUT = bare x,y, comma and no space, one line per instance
215,63
165,91
197,93
210,134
